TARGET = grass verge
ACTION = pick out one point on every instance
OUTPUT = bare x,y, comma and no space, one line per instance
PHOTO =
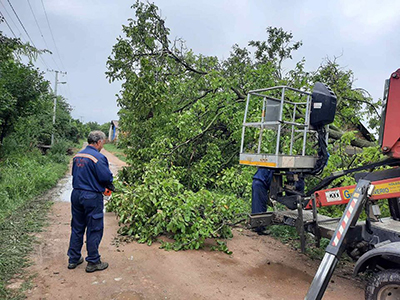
116,151
16,240
24,176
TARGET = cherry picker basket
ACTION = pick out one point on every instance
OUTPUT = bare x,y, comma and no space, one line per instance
269,138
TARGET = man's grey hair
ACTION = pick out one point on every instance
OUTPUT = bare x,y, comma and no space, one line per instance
96,136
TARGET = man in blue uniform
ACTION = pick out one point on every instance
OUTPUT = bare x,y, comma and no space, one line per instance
260,193
91,175
260,190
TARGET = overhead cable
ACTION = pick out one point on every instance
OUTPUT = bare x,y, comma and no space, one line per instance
7,24
23,27
52,36
41,33
20,22
9,17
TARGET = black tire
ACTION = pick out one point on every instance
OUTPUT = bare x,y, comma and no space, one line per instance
384,285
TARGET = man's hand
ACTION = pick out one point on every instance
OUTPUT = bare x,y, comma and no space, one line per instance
110,187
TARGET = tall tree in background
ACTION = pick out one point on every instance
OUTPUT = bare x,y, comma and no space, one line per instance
26,102
20,86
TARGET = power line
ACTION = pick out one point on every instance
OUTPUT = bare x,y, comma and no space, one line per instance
9,16
20,22
55,45
7,24
26,32
52,36
41,33
37,24
23,27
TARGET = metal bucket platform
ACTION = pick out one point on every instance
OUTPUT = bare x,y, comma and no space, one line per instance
276,129
278,161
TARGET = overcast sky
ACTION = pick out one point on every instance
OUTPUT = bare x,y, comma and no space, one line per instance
364,33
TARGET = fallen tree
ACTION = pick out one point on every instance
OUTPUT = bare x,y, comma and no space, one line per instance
181,115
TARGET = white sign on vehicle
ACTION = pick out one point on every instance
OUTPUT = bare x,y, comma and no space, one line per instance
317,105
333,196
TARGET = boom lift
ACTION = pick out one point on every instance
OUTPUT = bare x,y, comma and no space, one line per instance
282,145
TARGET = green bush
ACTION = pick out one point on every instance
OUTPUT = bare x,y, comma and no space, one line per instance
59,150
160,204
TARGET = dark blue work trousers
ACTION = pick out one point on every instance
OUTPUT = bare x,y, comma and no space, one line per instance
260,195
87,213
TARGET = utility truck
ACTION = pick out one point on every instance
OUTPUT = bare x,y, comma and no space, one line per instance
279,123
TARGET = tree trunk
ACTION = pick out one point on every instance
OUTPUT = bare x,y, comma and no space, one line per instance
3,130
336,135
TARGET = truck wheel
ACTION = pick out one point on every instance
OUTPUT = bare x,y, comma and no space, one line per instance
384,285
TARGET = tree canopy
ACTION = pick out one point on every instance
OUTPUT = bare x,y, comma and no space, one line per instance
181,116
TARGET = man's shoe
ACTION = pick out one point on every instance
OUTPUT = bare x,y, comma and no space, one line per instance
263,232
73,266
99,266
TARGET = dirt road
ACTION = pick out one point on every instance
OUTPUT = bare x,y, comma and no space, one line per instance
259,268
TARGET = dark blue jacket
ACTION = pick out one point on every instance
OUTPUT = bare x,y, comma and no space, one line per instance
90,171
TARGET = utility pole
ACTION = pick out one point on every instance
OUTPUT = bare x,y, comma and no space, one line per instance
55,100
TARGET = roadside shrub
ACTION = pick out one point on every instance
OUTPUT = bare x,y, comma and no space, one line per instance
58,152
